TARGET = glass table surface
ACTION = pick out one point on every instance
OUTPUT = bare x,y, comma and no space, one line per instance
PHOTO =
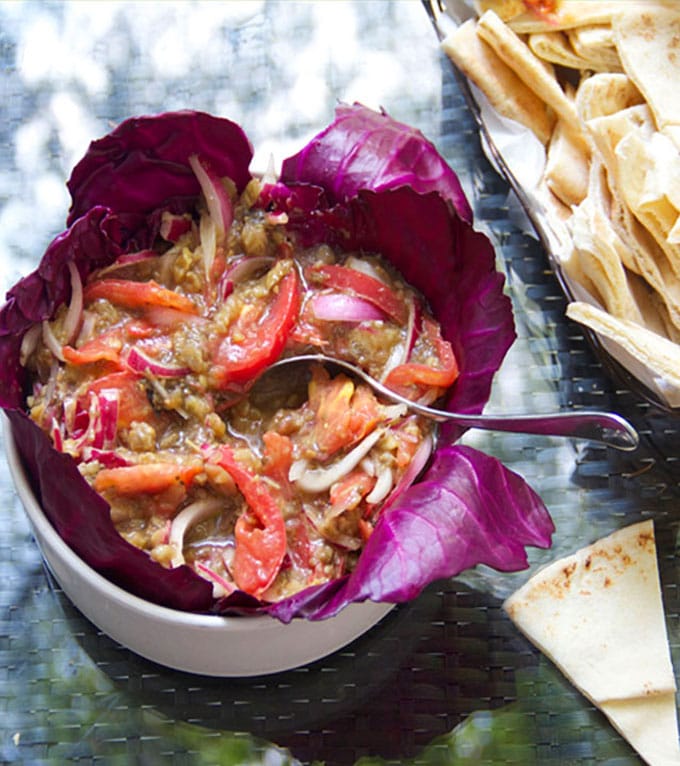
444,679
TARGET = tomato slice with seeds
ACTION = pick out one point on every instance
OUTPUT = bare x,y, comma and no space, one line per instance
260,532
257,339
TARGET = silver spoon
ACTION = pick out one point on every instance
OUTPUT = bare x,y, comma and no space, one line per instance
604,427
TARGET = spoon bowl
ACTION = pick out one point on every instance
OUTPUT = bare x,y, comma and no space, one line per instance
606,428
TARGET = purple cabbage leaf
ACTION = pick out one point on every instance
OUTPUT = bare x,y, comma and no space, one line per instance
388,155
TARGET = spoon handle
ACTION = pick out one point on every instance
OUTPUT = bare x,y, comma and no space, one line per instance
603,427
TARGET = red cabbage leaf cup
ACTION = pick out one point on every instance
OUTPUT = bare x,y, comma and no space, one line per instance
368,182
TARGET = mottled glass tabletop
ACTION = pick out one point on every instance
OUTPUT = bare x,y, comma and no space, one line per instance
444,679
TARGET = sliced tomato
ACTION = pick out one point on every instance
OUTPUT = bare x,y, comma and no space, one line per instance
365,286
138,295
108,346
261,336
278,457
348,492
260,532
418,374
104,348
299,545
344,413
146,477
407,444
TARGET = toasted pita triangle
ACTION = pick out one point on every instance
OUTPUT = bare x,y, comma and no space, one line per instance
649,724
506,92
647,41
598,615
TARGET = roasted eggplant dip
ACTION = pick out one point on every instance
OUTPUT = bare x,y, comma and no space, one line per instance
148,375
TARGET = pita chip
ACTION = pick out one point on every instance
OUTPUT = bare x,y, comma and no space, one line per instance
648,42
648,175
600,251
567,166
535,74
652,309
595,614
604,94
608,130
660,355
506,92
595,44
556,48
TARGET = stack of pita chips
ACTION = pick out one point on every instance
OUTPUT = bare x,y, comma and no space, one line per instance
598,615
596,83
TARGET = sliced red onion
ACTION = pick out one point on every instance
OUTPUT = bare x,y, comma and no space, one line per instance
109,401
415,319
87,328
321,479
225,287
75,308
138,361
216,197
107,457
402,351
174,226
167,318
383,484
241,270
246,267
83,425
29,342
221,586
188,517
50,340
127,259
208,234
138,256
57,435
98,425
69,407
340,307
418,462
365,267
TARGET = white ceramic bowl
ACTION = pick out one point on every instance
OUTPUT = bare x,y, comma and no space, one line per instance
196,643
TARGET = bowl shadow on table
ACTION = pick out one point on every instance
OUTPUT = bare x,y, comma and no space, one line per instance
416,675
